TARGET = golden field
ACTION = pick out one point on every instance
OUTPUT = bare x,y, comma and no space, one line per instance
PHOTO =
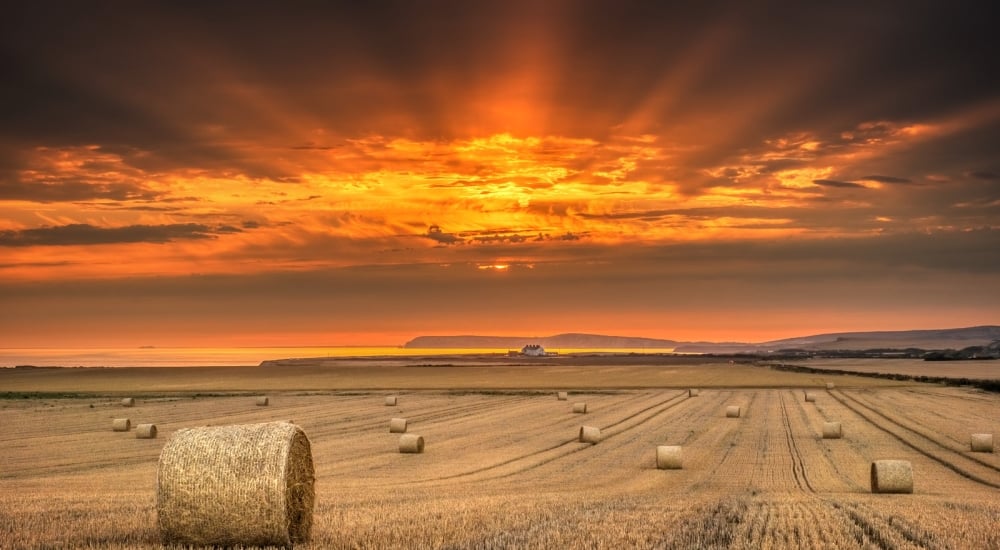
502,467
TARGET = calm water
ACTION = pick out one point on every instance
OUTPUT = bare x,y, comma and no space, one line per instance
225,357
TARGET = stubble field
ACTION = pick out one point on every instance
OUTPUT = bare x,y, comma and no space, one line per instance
503,469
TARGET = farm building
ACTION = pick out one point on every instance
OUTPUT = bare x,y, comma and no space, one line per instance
533,350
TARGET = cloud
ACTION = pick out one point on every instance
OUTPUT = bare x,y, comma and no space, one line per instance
86,234
70,191
435,233
835,183
885,179
988,176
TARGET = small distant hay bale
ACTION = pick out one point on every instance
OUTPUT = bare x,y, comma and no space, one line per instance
732,412
668,457
892,476
237,485
397,426
562,396
693,392
589,434
390,401
830,385
832,430
580,408
411,443
145,431
981,443
263,401
128,402
810,397
121,425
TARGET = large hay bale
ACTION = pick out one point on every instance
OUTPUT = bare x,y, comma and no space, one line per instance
397,426
732,412
390,401
121,425
145,431
263,401
830,385
832,430
589,434
562,396
411,443
128,402
892,476
668,457
239,485
580,408
810,397
693,392
981,443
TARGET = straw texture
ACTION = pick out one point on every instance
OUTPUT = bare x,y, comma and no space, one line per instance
397,426
249,485
982,443
590,434
562,396
668,457
892,476
121,425
145,431
390,401
810,397
128,402
693,392
732,412
411,443
580,408
832,430
263,401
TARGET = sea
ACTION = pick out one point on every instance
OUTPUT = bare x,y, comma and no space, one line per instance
227,357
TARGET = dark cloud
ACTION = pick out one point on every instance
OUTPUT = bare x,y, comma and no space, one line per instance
73,191
835,183
886,179
435,233
86,234
988,176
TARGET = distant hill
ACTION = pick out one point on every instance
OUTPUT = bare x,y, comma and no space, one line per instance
567,341
934,339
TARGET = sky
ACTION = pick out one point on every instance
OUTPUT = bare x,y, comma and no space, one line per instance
356,173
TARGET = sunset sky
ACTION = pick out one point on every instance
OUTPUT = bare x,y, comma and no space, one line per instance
357,173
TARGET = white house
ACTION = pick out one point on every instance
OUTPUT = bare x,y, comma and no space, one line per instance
533,350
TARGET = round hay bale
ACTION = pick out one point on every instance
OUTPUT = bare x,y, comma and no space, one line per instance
263,401
411,443
892,476
810,397
580,408
128,402
562,396
830,385
397,426
693,392
732,412
390,401
145,431
668,457
982,443
832,430
239,485
589,434
121,425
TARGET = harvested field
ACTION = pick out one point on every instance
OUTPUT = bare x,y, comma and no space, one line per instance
505,468
973,370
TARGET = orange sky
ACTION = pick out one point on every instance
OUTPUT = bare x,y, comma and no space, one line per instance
359,175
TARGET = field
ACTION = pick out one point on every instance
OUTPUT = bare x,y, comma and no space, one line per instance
502,467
